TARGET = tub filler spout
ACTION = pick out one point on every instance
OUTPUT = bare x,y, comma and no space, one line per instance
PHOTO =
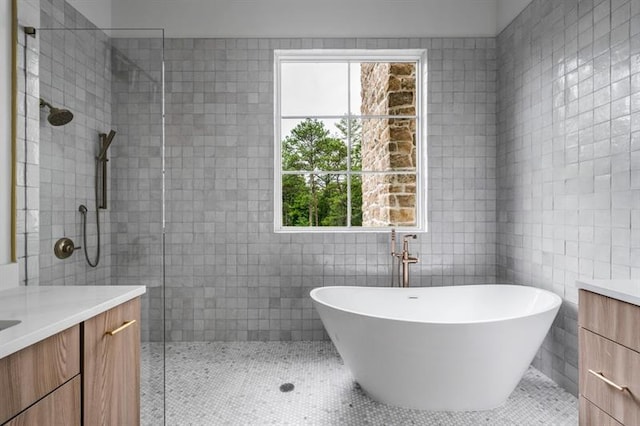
403,257
407,259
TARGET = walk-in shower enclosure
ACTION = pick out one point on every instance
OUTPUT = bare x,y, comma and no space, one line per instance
108,79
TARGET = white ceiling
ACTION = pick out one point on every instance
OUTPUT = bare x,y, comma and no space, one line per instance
306,18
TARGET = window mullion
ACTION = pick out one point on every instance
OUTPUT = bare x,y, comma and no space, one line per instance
348,144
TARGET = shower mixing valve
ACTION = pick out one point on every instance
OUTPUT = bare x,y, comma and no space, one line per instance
64,247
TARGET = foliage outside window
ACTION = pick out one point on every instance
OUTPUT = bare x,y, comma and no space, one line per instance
349,140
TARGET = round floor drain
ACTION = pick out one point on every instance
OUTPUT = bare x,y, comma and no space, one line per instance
286,387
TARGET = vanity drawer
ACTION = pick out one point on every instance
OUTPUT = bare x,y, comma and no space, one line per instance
617,363
33,372
610,318
590,415
60,407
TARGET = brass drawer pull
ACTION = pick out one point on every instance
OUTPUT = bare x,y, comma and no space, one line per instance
607,381
122,327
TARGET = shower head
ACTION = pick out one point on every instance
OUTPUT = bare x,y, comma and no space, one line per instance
57,116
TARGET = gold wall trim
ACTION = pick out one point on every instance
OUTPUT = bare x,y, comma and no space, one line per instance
14,128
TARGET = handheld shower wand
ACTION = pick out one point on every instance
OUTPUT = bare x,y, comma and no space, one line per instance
105,142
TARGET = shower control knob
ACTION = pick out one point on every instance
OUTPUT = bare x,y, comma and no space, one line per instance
64,248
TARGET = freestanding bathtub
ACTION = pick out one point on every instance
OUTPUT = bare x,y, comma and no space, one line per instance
437,348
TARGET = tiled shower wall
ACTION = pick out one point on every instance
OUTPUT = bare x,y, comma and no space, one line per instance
75,73
229,276
568,159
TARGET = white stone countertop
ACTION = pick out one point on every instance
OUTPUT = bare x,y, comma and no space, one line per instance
625,290
47,310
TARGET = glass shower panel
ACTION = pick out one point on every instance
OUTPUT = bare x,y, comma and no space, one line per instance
108,161
138,188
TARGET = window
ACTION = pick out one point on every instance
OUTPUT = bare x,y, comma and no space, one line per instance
350,149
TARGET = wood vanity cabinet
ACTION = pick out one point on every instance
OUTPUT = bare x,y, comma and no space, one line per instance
609,365
111,367
36,371
88,374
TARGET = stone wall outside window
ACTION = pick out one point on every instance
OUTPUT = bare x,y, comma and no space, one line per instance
388,144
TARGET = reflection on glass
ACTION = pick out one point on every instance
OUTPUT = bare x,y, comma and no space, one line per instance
314,200
314,89
388,200
388,144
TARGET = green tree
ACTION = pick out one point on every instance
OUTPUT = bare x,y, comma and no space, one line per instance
311,148
296,197
352,130
321,199
333,201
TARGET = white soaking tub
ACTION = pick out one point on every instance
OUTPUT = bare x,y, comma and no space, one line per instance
437,348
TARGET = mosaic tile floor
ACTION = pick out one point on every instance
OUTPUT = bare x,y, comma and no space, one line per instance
238,384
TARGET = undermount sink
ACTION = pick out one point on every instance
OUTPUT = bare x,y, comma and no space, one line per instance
4,324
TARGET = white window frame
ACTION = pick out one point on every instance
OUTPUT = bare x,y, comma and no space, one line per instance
354,55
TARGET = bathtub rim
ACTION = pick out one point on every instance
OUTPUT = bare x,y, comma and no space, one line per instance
555,305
